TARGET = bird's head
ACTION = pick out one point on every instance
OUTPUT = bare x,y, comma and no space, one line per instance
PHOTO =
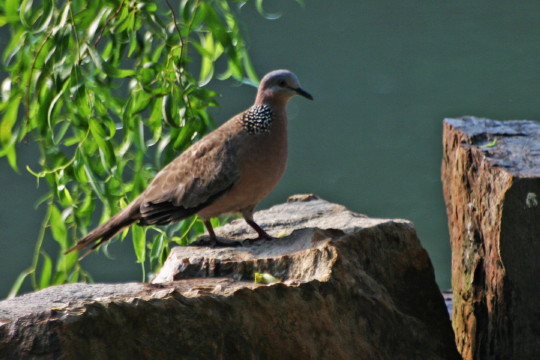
278,87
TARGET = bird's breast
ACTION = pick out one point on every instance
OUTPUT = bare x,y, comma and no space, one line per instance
263,164
262,159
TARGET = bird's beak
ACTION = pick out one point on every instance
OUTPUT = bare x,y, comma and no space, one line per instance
303,93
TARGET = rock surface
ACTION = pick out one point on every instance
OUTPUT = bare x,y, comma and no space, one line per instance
350,287
491,183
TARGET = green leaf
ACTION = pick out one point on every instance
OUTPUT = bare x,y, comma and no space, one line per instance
9,119
211,52
11,155
235,69
65,266
46,271
60,277
166,107
44,20
265,278
183,139
105,147
157,246
149,7
58,228
490,144
51,106
139,243
58,136
96,58
96,20
11,10
116,72
24,9
18,283
140,102
219,30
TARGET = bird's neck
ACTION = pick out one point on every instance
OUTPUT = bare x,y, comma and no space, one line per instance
276,102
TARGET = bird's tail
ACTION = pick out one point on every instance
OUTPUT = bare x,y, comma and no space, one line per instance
107,231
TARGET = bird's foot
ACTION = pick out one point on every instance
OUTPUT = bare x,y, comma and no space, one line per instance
214,242
260,238
265,236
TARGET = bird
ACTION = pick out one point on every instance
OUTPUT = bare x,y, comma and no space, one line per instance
228,171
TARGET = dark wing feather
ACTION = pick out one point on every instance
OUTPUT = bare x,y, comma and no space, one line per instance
192,181
165,212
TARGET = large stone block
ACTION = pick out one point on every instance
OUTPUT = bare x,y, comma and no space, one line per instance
350,287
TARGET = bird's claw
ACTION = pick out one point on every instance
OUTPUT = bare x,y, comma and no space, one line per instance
208,241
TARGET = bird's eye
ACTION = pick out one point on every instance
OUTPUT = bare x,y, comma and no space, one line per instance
282,83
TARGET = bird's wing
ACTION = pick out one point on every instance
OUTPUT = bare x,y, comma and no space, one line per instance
192,181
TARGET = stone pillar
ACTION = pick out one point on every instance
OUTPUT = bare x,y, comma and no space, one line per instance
491,181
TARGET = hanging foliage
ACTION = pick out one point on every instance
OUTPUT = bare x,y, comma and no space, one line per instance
111,91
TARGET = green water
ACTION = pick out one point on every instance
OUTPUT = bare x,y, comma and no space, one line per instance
384,75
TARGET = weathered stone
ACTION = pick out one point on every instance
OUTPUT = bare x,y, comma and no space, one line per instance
351,287
491,180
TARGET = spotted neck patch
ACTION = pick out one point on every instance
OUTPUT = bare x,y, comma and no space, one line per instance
257,119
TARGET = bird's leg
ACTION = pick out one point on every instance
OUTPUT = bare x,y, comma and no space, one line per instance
213,238
210,230
262,234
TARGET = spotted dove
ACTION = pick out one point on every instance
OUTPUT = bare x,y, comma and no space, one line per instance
228,171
